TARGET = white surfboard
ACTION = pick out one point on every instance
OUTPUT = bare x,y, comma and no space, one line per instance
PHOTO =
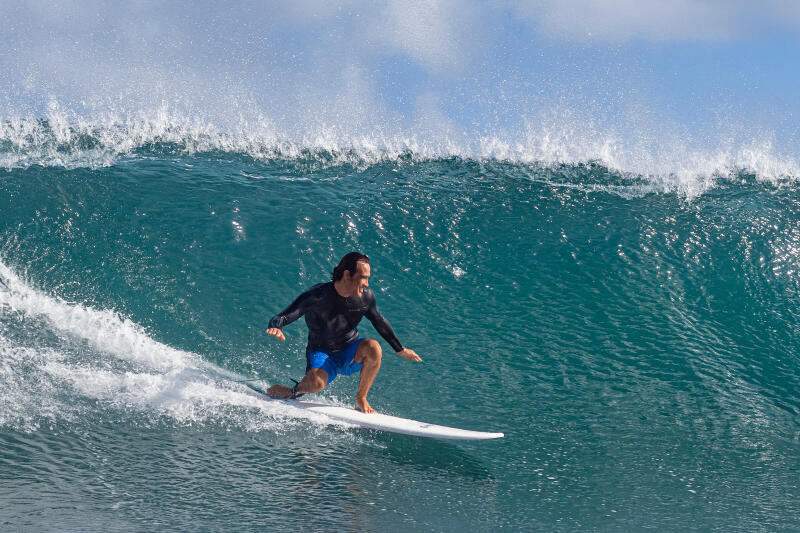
383,422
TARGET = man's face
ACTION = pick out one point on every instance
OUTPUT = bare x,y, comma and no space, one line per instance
360,280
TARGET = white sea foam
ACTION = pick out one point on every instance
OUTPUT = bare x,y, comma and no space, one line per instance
27,398
187,396
104,329
164,382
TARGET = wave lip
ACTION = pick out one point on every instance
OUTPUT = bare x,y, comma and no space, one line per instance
66,140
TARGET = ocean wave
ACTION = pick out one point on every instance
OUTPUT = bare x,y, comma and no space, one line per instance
66,140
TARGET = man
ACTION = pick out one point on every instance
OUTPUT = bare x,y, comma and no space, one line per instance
332,311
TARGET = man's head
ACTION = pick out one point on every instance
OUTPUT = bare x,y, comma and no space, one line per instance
351,275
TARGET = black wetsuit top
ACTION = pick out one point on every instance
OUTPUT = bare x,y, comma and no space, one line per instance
332,319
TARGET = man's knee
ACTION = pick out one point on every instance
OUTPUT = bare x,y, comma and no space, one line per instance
372,350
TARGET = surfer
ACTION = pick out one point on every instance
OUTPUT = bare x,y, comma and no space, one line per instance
332,311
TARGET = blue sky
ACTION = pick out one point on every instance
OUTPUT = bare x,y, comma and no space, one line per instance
709,71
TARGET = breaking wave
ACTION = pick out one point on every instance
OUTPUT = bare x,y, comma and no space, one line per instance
64,139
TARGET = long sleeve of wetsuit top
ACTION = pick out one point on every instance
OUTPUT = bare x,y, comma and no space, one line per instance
382,325
291,313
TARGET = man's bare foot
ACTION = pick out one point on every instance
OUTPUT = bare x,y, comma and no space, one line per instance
279,391
364,406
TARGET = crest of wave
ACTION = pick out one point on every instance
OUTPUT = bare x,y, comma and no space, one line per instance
66,139
666,162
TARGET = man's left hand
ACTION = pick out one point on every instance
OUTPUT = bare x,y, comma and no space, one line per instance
410,355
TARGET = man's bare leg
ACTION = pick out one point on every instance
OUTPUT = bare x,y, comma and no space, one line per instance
369,355
314,381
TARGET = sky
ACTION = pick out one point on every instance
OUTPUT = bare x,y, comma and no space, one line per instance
709,73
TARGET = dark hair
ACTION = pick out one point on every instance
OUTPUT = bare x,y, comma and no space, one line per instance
348,263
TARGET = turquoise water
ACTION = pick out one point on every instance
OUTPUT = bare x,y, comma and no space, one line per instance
635,336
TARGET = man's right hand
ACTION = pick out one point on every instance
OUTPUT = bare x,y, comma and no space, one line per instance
277,333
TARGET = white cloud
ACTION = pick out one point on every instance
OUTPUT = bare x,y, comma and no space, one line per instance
617,21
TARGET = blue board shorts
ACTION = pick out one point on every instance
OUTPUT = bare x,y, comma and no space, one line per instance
334,363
